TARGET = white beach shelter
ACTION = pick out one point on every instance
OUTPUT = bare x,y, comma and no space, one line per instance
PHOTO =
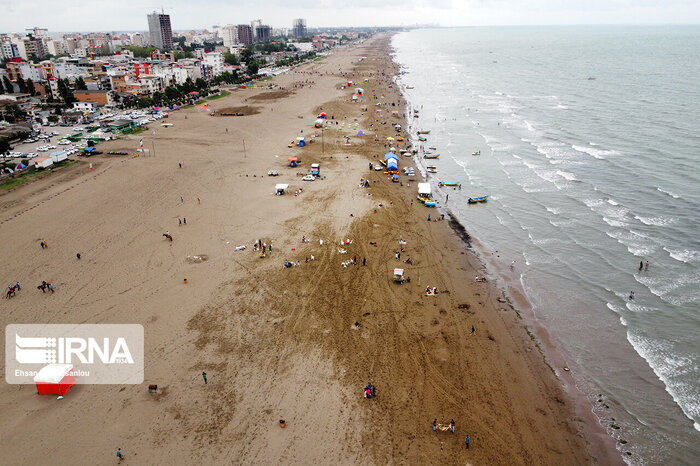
424,189
280,188
53,373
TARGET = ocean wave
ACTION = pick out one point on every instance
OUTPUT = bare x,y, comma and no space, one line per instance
675,196
553,210
597,153
611,202
615,223
593,202
563,107
665,364
656,221
684,255
566,175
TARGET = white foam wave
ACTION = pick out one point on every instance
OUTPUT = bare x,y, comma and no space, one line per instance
563,107
684,255
615,223
656,221
611,202
593,202
553,210
597,153
666,364
675,196
567,175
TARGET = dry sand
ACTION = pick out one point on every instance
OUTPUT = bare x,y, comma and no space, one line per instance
276,343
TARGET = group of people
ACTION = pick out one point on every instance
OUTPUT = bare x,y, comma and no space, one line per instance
45,286
370,390
431,291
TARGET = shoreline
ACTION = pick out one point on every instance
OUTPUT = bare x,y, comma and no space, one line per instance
279,343
596,435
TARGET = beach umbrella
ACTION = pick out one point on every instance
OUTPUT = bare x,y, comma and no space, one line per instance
389,138
360,133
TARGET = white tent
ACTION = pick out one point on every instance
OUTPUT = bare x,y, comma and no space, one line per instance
53,373
424,189
280,188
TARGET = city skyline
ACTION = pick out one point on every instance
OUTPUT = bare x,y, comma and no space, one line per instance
129,15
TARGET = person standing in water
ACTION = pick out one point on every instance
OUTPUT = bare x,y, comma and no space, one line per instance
646,265
641,265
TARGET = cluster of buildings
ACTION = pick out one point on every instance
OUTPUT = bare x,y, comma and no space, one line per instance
109,73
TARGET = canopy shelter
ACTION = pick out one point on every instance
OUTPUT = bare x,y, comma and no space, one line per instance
424,189
389,138
54,379
293,161
280,188
390,155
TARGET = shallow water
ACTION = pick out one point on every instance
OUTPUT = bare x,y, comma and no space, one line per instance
589,149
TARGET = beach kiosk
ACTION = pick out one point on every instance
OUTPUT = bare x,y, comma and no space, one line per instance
316,170
293,161
425,194
280,188
54,379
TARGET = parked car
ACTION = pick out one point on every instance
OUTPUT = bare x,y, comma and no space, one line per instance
308,178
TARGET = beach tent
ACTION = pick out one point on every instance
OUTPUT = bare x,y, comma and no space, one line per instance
301,142
54,379
293,161
279,188
318,123
390,155
360,133
424,189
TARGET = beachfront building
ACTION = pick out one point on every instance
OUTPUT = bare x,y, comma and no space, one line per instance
244,34
229,34
214,60
161,34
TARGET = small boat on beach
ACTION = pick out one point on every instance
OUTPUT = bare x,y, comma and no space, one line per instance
449,183
421,138
432,148
475,200
477,152
424,131
431,156
409,87
431,169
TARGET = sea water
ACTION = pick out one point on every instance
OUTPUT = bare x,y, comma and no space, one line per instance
590,143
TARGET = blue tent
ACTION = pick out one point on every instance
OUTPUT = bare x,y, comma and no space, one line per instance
390,155
392,164
302,143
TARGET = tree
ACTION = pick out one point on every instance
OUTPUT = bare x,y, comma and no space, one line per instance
247,54
80,84
30,87
4,145
8,85
2,88
231,59
33,58
65,92
253,68
140,52
21,84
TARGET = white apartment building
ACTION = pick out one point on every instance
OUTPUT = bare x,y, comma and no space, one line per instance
230,35
215,60
151,83
33,72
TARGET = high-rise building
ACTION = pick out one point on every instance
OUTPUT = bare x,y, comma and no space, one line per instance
244,34
262,33
299,27
229,34
161,34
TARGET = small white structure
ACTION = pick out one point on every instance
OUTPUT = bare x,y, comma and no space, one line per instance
280,188
424,189
43,162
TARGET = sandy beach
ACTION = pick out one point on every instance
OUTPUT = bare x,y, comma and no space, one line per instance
276,343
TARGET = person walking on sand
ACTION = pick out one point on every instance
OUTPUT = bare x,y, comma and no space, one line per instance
184,220
452,426
435,425
179,222
182,201
120,457
199,201
204,376
43,245
78,256
473,330
364,261
467,440
17,287
180,165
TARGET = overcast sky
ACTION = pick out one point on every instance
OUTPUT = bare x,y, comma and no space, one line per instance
101,15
